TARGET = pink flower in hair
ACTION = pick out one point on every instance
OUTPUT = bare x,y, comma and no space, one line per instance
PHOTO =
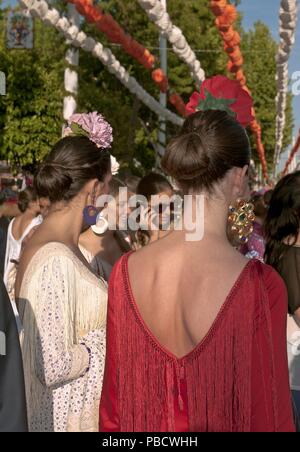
92,125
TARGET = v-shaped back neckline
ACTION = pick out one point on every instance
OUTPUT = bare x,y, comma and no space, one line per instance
206,338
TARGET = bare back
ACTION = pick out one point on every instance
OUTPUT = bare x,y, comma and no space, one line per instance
19,226
179,288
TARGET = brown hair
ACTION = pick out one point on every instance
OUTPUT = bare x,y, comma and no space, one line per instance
131,182
283,219
209,145
153,184
260,209
25,198
72,163
114,186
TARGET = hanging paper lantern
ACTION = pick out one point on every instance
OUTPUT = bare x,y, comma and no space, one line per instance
218,6
230,13
222,23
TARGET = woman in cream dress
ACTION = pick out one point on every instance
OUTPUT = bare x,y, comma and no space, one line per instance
62,302
103,245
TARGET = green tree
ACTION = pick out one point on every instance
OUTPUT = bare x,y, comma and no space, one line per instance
106,94
259,50
31,111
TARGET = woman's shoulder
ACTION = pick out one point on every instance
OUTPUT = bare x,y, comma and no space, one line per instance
46,251
271,283
51,259
37,255
269,275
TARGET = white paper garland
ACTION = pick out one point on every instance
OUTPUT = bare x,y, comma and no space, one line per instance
157,14
71,75
287,27
78,38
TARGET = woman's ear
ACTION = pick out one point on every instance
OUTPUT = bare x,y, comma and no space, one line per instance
91,189
241,182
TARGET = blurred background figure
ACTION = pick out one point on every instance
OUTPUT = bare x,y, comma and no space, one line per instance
159,213
255,247
18,229
101,246
131,182
44,206
283,253
267,197
4,222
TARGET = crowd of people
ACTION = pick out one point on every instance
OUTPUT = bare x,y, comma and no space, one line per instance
131,329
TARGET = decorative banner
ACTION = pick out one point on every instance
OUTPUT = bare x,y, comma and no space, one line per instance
117,35
157,14
287,28
19,31
226,16
77,38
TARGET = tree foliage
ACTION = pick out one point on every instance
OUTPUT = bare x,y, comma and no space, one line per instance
31,112
259,50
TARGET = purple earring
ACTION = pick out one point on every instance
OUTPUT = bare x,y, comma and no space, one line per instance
90,215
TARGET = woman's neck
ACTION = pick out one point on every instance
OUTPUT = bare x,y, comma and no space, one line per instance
29,215
66,221
206,218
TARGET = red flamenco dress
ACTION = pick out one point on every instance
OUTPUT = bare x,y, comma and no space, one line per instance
235,380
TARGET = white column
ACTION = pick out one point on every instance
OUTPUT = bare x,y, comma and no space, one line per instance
163,53
71,75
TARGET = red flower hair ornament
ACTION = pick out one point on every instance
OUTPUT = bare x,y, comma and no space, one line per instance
221,93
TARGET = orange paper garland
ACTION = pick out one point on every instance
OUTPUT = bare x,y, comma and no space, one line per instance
115,33
226,16
294,151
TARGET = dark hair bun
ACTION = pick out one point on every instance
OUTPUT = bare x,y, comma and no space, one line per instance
53,182
72,163
186,158
209,145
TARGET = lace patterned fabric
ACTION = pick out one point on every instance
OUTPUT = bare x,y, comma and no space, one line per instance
64,314
101,267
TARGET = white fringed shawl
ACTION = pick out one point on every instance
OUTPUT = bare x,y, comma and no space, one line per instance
64,305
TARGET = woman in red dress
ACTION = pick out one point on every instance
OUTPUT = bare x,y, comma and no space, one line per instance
196,333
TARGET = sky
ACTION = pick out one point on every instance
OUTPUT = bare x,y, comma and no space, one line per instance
267,12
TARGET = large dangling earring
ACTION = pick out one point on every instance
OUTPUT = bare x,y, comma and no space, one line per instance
241,219
101,224
90,213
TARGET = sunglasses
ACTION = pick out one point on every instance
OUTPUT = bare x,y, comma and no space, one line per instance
162,208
